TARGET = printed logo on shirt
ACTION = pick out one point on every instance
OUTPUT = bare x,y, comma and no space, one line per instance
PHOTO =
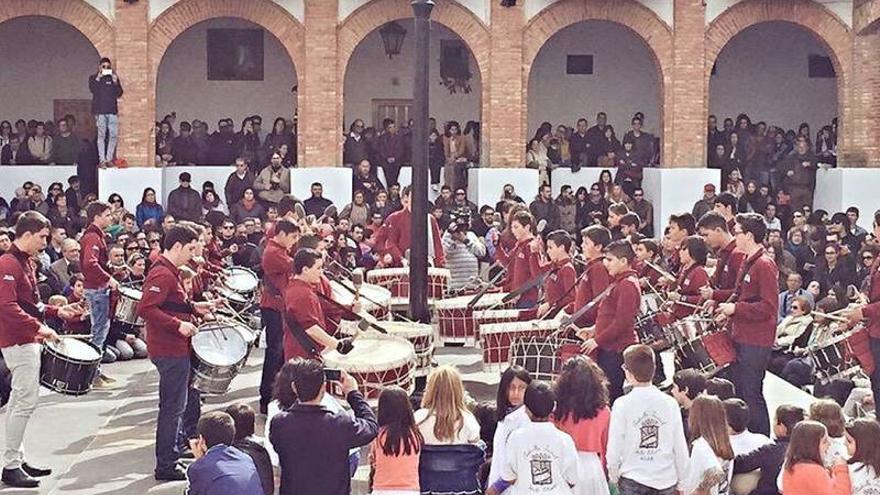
541,466
687,282
95,248
8,278
155,288
649,431
747,279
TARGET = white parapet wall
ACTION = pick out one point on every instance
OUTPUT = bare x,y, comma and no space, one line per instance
675,190
839,188
14,176
486,184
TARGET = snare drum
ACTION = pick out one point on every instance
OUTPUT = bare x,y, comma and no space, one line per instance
421,337
455,321
488,316
219,351
543,357
497,338
374,299
377,361
833,357
127,306
708,353
239,302
69,366
687,329
396,280
241,280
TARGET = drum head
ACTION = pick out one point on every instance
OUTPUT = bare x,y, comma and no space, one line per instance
372,353
219,345
241,279
131,293
75,349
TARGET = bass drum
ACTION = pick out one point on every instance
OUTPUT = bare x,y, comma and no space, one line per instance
218,353
69,366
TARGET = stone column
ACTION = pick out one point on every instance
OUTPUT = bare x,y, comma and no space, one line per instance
861,132
320,132
504,126
137,107
687,105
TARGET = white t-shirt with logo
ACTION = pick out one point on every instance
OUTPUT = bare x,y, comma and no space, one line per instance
541,459
863,479
703,459
747,442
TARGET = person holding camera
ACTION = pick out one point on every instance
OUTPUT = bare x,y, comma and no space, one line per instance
273,182
463,251
106,90
312,442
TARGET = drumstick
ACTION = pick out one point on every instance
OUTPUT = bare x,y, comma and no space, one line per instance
661,271
78,336
830,316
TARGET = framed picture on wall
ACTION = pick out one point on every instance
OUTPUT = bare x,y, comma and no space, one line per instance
235,54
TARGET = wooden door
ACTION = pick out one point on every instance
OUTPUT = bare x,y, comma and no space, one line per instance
397,109
81,111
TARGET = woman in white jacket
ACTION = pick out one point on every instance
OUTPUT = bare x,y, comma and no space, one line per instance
511,415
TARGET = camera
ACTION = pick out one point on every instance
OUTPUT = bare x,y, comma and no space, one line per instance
332,375
460,221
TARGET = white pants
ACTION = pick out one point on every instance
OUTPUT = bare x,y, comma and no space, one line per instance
24,364
591,475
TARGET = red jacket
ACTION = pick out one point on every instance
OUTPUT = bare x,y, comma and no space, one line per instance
522,266
277,266
301,305
595,280
727,268
163,307
19,316
399,237
333,314
872,310
754,321
689,282
646,271
93,258
559,286
616,319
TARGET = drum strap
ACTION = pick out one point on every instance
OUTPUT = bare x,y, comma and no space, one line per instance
299,333
176,307
744,271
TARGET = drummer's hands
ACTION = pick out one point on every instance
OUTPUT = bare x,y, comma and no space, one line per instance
586,333
344,346
673,296
727,309
187,329
70,311
535,245
709,306
706,292
589,346
233,248
46,333
357,307
348,383
543,308
203,308
113,284
387,260
854,315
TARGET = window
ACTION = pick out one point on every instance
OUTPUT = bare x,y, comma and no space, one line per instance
579,65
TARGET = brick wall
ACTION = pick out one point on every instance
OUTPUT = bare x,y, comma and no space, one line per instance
321,46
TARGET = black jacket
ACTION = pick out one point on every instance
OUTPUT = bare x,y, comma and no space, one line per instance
236,186
105,92
262,461
769,460
355,151
547,211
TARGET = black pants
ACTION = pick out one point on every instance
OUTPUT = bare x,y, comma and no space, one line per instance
875,376
747,375
629,487
612,364
274,357
391,171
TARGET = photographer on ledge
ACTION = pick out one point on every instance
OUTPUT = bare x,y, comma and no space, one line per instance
463,250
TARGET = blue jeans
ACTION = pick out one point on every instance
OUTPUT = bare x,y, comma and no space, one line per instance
178,406
629,487
99,307
747,375
274,357
108,134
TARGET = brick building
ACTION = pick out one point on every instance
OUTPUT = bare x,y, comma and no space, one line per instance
684,38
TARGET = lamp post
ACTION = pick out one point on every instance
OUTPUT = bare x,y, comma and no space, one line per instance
418,268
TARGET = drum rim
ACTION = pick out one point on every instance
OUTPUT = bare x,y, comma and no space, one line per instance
125,293
461,302
496,328
332,358
394,327
49,348
230,271
203,360
397,270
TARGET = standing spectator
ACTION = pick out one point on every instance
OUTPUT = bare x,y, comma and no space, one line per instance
580,146
645,210
246,207
543,208
185,203
247,442
316,204
392,151
355,149
799,175
511,415
444,419
65,145
365,179
567,210
9,153
220,468
149,209
247,144
106,88
273,182
706,204
643,142
358,211
312,444
74,194
183,148
536,158
458,155
238,181
211,202
395,452
39,145
463,252
436,158
222,148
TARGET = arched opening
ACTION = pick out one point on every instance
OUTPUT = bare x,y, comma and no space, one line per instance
47,63
776,72
596,66
377,86
228,68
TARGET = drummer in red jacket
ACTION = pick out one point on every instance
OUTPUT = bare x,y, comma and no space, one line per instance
94,258
21,328
614,330
871,312
305,333
684,300
277,265
559,284
399,235
595,277
713,228
169,323
750,311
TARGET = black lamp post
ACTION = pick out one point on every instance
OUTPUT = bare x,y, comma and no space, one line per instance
392,38
418,268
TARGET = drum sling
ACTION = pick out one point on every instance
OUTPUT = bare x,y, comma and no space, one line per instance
299,333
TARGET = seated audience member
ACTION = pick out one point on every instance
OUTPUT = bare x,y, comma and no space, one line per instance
645,408
220,468
804,471
250,444
769,458
394,453
864,462
312,442
830,414
742,440
687,384
721,388
792,335
539,443
444,419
